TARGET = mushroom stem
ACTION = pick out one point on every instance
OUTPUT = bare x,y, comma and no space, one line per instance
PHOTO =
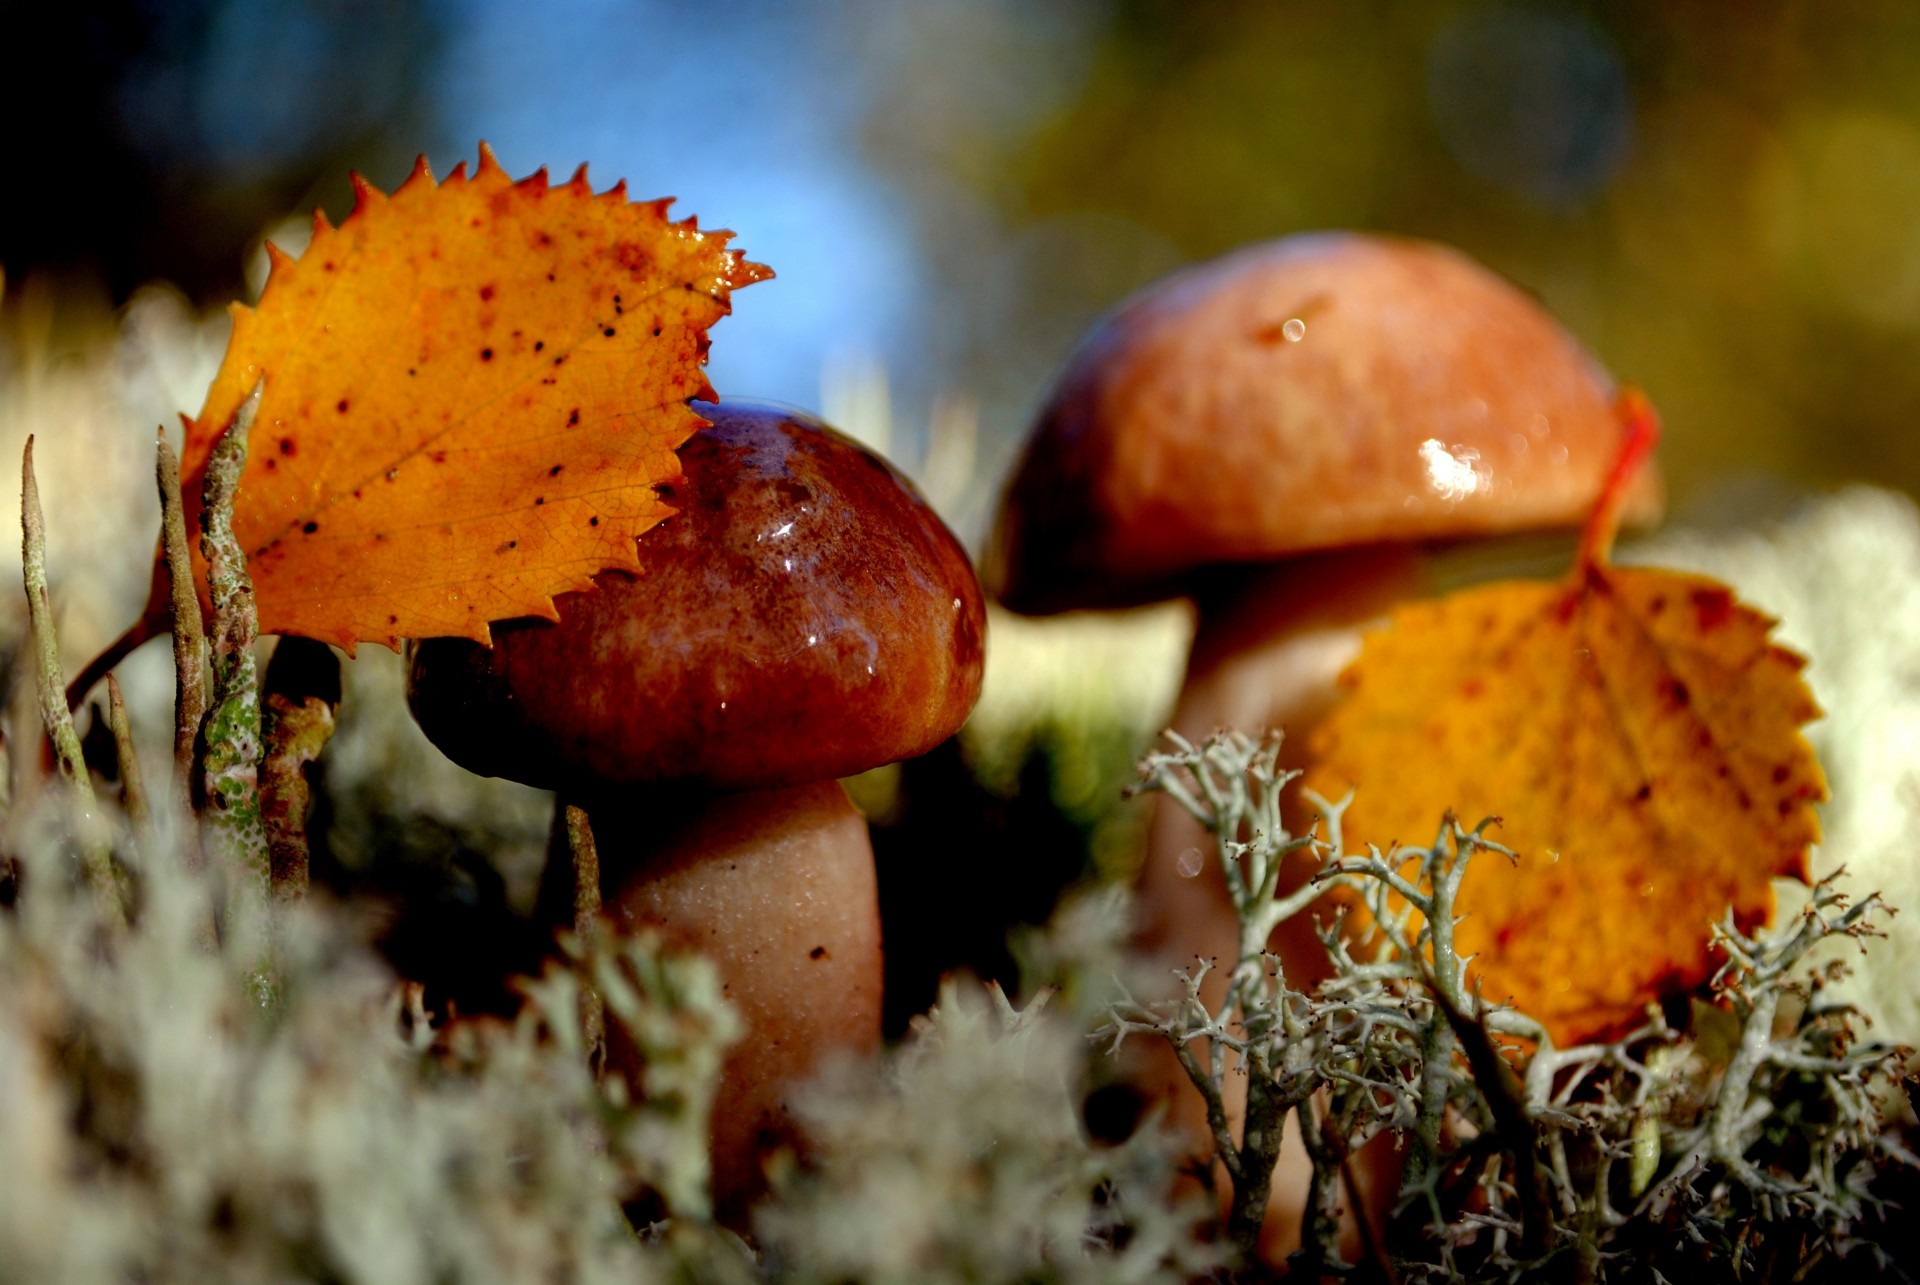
777,888
1267,652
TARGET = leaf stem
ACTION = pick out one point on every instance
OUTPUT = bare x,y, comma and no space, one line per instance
1642,425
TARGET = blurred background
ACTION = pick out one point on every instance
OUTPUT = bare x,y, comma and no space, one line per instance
1722,200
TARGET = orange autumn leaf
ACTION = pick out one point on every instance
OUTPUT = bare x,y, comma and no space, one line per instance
1638,736
472,389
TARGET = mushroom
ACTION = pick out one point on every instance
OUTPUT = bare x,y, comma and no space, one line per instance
1280,433
803,617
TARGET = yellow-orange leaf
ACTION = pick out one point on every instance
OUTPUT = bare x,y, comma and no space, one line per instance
472,389
1638,736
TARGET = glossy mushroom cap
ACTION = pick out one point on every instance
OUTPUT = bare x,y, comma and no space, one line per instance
803,616
1312,393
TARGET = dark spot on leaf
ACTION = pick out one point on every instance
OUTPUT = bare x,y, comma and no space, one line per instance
327,266
486,354
1676,693
1712,607
486,293
609,332
656,332
1656,604
573,417
593,521
1644,793
539,345
439,457
555,470
288,446
393,620
538,500
311,527
818,952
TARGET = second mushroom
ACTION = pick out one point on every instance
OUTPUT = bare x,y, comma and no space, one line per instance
1281,434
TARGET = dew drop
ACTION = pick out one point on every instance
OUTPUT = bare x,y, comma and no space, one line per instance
1189,863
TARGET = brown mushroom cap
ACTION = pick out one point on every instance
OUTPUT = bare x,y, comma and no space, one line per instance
803,616
1312,393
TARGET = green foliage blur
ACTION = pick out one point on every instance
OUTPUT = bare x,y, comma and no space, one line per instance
1723,201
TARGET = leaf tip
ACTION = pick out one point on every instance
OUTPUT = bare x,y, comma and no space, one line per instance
365,194
489,166
742,271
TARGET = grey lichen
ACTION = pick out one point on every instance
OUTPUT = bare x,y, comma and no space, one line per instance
963,1159
159,1126
1747,1145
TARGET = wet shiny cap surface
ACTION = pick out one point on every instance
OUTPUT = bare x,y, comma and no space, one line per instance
805,615
1318,392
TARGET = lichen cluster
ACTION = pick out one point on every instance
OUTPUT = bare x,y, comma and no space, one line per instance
1747,1145
166,1119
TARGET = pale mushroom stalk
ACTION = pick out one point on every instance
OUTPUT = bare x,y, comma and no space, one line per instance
1267,648
777,888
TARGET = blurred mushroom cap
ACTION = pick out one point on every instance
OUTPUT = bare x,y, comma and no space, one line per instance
803,616
1317,392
